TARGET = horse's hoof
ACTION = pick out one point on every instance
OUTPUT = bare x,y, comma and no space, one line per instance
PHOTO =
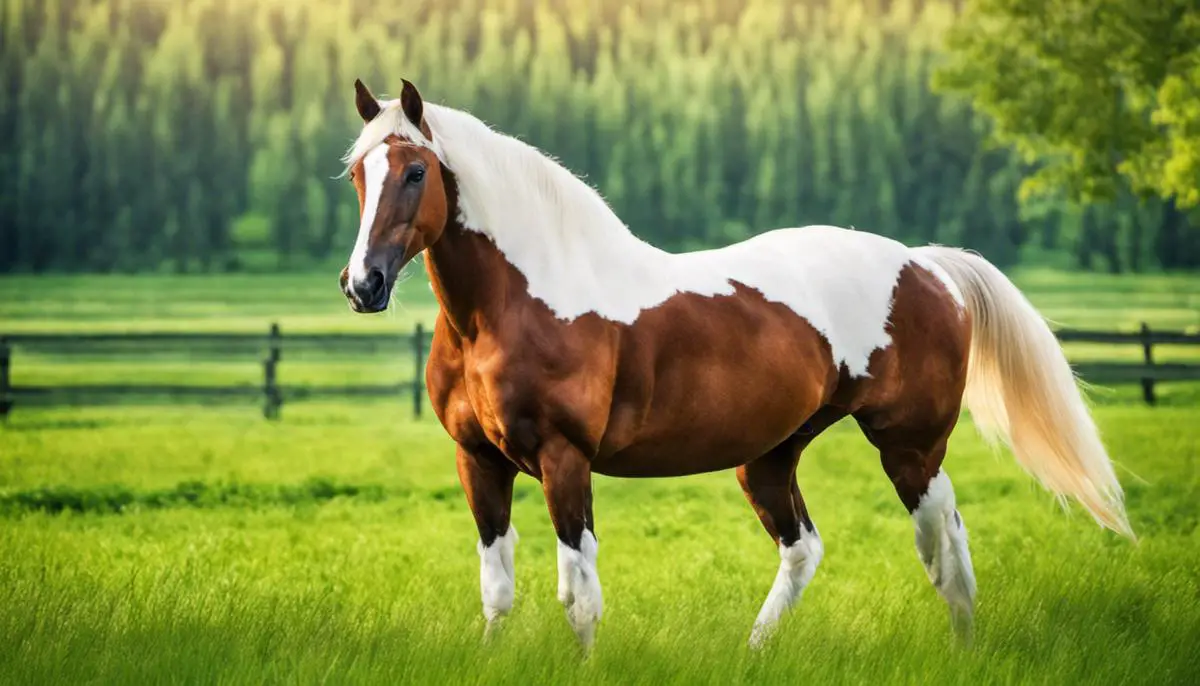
492,629
585,631
587,639
963,625
759,636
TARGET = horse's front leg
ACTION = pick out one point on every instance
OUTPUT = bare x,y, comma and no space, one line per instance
567,483
487,477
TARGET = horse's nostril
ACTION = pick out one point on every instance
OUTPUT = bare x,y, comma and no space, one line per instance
375,281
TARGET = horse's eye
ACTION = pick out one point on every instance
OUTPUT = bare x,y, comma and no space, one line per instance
415,175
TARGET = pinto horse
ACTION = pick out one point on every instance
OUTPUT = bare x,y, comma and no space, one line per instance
565,346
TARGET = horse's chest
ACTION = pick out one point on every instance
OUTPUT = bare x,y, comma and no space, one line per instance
519,400
490,398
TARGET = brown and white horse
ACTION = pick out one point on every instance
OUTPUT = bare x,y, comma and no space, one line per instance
565,346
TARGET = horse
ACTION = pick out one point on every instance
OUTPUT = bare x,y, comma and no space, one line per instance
565,346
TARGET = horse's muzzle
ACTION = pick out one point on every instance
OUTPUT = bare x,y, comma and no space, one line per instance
369,294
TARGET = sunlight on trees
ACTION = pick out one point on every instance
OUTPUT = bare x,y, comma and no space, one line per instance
205,134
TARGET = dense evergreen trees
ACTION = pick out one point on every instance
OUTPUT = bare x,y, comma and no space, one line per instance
205,134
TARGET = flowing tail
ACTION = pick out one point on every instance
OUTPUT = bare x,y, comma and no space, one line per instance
1020,390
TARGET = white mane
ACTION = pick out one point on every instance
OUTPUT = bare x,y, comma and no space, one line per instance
546,221
579,257
390,121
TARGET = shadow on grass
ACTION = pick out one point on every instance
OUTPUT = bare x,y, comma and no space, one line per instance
55,425
117,499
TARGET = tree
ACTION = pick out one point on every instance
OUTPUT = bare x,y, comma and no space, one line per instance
1099,93
205,134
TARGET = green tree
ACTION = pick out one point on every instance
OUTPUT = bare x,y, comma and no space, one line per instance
205,134
1097,92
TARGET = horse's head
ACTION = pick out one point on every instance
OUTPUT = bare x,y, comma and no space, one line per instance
401,197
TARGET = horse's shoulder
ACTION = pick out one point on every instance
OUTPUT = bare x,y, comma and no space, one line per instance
445,379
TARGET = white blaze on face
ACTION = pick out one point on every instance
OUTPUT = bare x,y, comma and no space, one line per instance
375,172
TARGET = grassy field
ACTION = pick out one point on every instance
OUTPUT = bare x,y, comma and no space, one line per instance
194,303
204,545
334,547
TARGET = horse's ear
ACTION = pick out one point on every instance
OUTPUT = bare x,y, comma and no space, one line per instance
368,106
410,100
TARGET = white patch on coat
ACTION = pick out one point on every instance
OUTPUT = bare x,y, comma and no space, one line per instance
797,565
942,275
497,578
941,541
375,172
579,586
578,257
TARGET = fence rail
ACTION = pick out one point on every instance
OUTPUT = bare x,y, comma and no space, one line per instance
273,345
1148,373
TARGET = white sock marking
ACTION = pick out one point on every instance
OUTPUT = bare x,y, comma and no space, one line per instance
797,565
579,586
497,579
941,541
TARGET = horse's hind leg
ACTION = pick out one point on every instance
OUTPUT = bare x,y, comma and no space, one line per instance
913,461
769,483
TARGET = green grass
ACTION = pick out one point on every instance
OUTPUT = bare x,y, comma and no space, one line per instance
205,545
201,303
60,370
272,574
1114,302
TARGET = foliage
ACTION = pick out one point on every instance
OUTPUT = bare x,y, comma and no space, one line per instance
1101,93
205,134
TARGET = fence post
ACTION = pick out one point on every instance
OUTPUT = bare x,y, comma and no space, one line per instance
1148,355
418,387
273,397
6,401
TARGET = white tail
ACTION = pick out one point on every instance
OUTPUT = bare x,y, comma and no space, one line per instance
1021,390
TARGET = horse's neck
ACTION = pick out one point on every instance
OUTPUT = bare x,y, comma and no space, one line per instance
565,245
470,278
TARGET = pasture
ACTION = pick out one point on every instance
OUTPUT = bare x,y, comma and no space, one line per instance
148,544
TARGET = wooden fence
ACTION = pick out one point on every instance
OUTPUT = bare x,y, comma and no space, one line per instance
274,345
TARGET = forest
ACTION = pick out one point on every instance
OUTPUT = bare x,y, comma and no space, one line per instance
205,135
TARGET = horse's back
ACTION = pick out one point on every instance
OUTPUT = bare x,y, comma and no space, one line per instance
841,281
